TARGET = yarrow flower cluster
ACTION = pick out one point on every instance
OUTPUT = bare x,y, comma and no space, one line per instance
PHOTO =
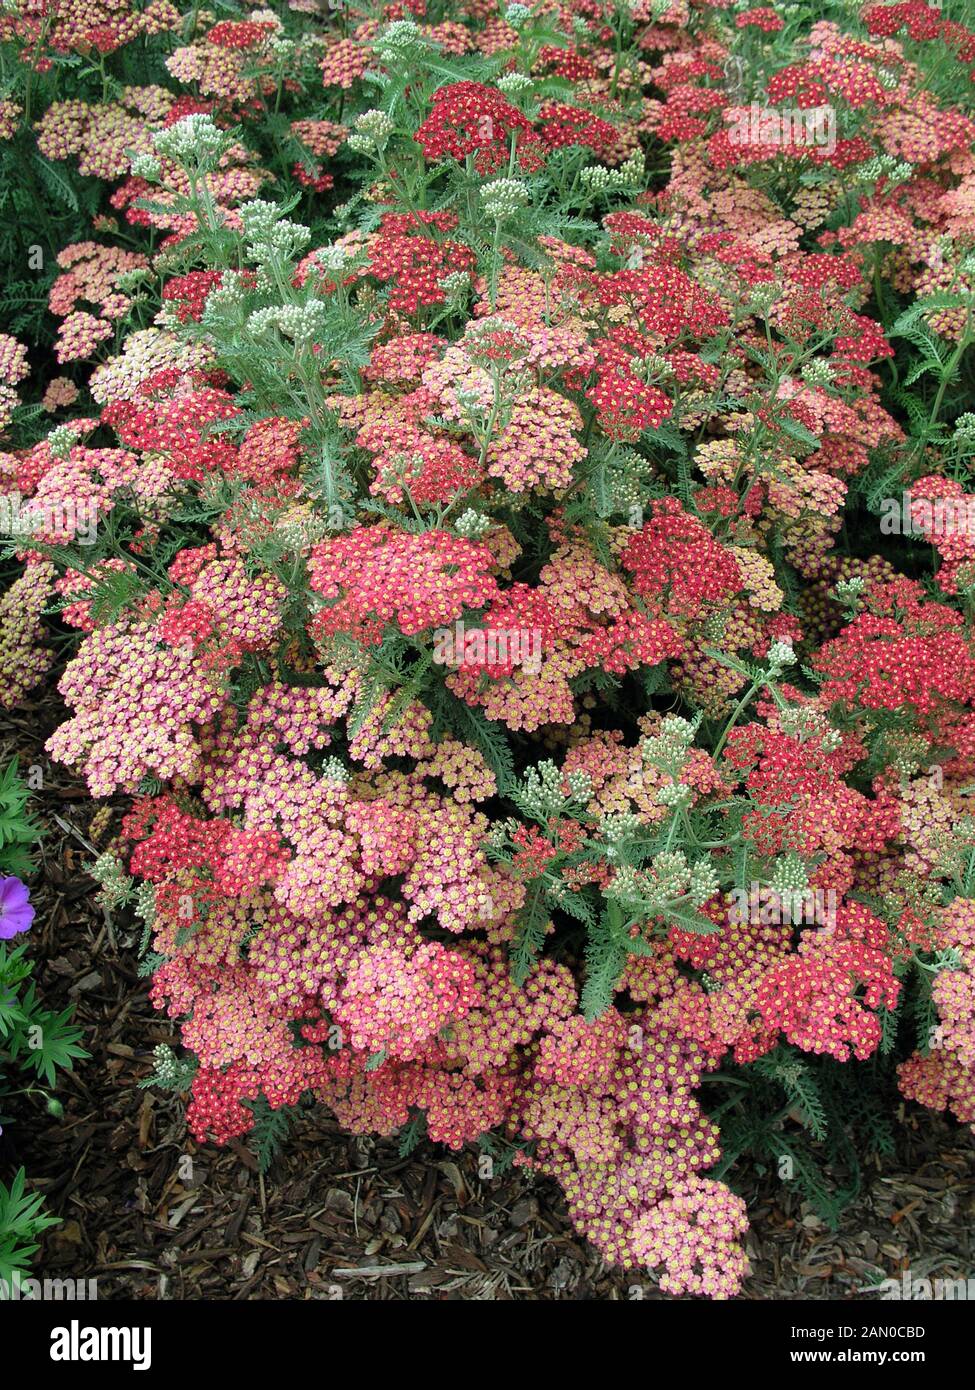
465,542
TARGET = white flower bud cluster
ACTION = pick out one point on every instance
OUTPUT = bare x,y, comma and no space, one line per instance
780,656
674,795
703,882
884,166
818,372
337,260
298,533
302,323
627,882
168,1069
402,38
596,178
672,874
515,84
502,198
472,525
270,236
579,784
789,877
501,831
334,771
670,747
145,903
457,287
61,441
372,132
541,794
790,883
224,300
621,825
262,322
193,137
848,591
114,883
714,627
763,297
145,166
131,280
802,722
652,367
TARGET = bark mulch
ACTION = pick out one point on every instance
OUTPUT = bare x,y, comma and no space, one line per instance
150,1215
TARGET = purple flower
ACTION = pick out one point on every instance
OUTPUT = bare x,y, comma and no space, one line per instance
16,913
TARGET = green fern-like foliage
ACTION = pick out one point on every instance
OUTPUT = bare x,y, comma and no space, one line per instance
18,828
22,1220
36,1043
412,1134
808,1124
271,1130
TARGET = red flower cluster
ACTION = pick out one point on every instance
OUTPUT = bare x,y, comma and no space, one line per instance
469,118
407,256
676,561
903,652
374,576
